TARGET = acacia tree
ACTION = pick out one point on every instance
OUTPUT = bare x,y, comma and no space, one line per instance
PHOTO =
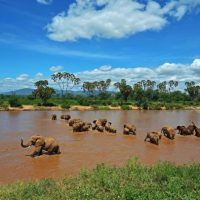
102,86
89,87
124,89
162,87
65,81
192,89
172,85
43,91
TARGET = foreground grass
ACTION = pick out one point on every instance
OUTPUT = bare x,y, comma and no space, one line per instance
134,181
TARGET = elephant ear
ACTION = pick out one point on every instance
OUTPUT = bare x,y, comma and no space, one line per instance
40,142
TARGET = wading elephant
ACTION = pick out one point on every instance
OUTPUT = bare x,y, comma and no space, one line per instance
73,121
99,124
77,126
196,130
48,144
185,130
129,129
54,117
169,132
109,128
66,117
153,137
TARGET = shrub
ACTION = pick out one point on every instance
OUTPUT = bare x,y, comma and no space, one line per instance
66,105
125,107
14,102
4,105
104,108
115,104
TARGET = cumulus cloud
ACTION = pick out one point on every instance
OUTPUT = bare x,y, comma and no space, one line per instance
56,68
114,18
22,77
165,72
45,2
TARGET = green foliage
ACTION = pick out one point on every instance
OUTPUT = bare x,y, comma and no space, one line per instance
43,91
14,102
125,107
133,181
66,105
4,104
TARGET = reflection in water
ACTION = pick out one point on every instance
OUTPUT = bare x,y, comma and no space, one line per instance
80,150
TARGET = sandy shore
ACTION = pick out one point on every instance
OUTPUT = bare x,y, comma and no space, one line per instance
79,108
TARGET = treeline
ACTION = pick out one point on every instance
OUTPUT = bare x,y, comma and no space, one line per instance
146,94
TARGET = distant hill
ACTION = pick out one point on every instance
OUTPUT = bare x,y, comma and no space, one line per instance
22,92
28,91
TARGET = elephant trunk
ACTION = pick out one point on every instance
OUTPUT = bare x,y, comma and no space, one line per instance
24,145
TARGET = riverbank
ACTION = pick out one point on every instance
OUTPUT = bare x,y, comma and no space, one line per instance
89,108
132,181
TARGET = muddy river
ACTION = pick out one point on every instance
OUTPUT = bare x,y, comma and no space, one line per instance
85,150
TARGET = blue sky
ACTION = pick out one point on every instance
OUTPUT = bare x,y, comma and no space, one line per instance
99,39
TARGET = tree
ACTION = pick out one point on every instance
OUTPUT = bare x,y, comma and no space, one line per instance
43,91
172,85
162,87
89,87
102,86
124,89
65,81
192,89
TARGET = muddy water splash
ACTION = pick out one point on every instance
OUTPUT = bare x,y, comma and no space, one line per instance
85,150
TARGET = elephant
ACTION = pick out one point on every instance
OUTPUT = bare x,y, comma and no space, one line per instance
129,129
100,122
109,128
99,128
77,126
86,127
66,117
72,121
169,132
48,144
185,130
196,130
54,117
153,137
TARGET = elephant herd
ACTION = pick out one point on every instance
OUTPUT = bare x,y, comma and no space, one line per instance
50,145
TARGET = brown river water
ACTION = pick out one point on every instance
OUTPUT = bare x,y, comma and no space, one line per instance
85,150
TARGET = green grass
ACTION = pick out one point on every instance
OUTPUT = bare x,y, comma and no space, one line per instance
134,181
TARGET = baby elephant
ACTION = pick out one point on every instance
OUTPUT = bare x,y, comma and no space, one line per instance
129,129
77,126
169,132
54,117
48,144
153,137
109,128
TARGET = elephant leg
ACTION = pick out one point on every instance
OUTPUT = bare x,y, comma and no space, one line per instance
37,152
146,138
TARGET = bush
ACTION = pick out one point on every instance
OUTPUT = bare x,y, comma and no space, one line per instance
14,102
125,107
66,105
104,108
4,105
114,104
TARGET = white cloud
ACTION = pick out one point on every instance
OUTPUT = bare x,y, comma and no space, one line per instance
105,68
46,2
22,77
166,71
114,18
56,68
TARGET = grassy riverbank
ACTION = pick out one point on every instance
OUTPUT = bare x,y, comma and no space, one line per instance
133,181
